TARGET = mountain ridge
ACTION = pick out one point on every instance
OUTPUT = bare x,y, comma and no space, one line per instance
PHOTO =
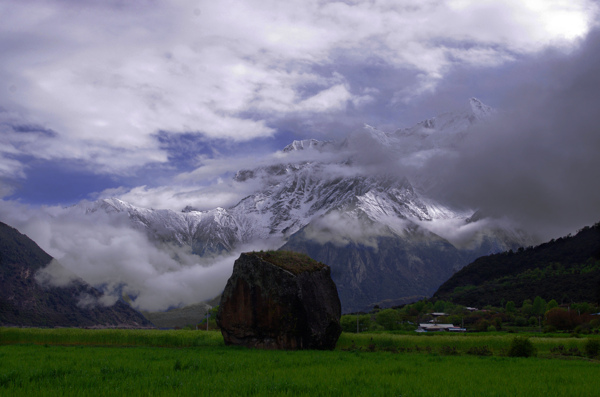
364,192
565,269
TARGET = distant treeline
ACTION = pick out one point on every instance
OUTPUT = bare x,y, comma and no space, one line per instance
530,315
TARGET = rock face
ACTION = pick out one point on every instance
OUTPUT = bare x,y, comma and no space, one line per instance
280,300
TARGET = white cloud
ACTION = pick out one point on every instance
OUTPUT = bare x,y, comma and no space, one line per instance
212,184
342,229
177,197
104,250
464,235
108,78
334,98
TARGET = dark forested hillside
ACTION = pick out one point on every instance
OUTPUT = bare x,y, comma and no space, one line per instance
24,302
566,269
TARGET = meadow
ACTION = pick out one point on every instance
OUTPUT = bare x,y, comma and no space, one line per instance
69,362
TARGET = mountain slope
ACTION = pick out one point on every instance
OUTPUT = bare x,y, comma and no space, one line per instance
25,302
395,268
566,269
360,205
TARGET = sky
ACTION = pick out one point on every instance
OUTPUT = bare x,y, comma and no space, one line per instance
159,103
110,97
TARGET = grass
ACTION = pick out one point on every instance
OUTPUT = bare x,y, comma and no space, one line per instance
498,344
132,362
294,262
110,337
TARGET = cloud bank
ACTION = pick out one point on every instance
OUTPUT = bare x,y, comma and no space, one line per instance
105,78
107,253
538,163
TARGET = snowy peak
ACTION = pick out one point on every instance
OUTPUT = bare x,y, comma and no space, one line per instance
451,122
306,144
361,204
309,183
109,205
378,135
479,109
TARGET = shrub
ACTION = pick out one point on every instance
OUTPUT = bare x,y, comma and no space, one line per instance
446,350
482,325
491,328
566,320
521,347
177,366
585,328
348,323
479,351
560,349
574,351
592,348
520,321
497,321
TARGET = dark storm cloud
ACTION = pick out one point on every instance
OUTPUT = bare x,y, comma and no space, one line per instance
538,162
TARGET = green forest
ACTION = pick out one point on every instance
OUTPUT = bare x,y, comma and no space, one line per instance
566,270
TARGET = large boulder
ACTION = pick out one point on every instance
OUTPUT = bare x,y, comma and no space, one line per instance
280,300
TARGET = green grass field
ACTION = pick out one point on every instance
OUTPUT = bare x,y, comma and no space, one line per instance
73,362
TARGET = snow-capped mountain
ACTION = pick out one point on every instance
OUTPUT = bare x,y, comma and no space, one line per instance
356,205
205,232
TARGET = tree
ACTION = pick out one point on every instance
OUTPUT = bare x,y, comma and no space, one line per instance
551,305
419,306
439,307
539,306
211,316
388,319
365,323
581,308
520,321
348,322
527,309
510,307
562,319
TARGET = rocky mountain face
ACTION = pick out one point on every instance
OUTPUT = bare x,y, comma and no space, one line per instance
359,205
27,299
